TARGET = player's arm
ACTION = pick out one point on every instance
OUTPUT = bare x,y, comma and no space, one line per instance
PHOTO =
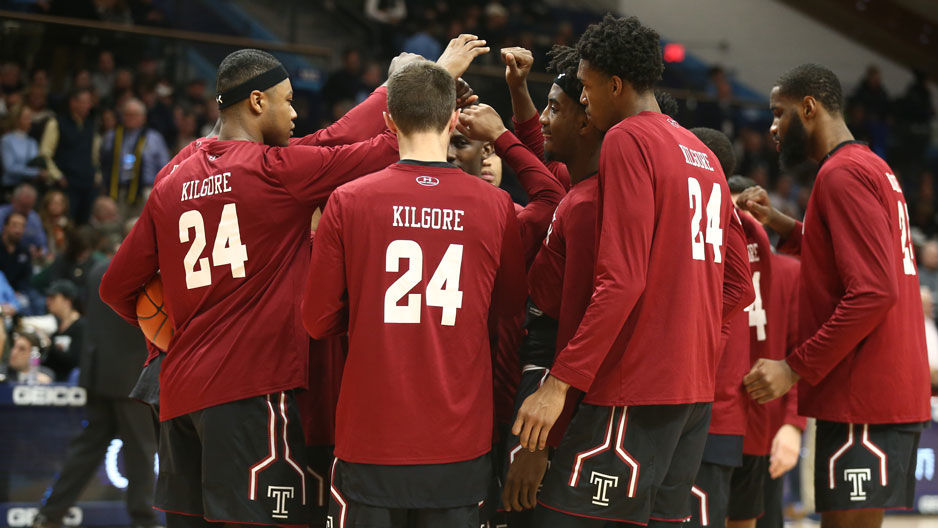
862,240
518,62
482,122
756,201
510,287
325,301
621,267
132,266
738,291
312,173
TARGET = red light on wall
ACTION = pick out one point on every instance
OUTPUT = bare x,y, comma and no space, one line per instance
673,52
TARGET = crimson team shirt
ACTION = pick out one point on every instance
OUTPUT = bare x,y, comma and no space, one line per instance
652,327
782,310
228,231
730,401
410,260
364,121
757,323
862,358
544,192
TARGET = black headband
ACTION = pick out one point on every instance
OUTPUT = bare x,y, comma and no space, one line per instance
261,82
570,86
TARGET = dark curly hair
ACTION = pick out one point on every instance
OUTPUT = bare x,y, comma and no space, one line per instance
720,145
563,59
667,103
625,48
815,80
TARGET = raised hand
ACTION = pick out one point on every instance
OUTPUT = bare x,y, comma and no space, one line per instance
402,60
460,52
464,94
480,122
518,63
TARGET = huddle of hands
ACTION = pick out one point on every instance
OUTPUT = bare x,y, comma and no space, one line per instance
477,121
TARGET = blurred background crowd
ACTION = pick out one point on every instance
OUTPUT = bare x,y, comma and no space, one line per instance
86,127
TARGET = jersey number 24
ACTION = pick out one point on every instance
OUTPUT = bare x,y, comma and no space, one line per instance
442,290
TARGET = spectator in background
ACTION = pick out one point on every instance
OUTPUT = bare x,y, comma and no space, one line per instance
9,303
68,340
130,158
931,335
23,201
53,211
422,42
110,362
870,110
18,370
103,77
15,261
105,216
928,266
11,78
20,151
344,83
74,263
185,128
160,115
68,146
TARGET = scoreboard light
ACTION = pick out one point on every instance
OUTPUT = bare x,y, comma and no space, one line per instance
674,52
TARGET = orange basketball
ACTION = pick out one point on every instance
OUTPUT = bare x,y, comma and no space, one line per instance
152,316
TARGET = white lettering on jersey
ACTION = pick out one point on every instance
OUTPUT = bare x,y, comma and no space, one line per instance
696,158
210,186
427,218
753,252
893,182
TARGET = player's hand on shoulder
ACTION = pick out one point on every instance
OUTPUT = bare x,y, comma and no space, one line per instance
480,122
402,60
756,201
524,479
518,62
460,52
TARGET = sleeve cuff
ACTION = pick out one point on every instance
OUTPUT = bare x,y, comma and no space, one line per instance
796,361
797,421
572,377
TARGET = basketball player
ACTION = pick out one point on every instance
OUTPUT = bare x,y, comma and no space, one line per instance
862,363
413,430
774,429
231,445
728,487
645,363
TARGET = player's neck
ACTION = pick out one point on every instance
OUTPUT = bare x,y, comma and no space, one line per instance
584,163
423,146
232,129
829,134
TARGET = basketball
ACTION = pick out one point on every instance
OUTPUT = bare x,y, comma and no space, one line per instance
152,317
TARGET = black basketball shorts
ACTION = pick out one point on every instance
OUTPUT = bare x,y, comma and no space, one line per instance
239,462
862,466
628,464
747,489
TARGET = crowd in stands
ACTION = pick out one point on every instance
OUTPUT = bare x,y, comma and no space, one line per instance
77,162
80,151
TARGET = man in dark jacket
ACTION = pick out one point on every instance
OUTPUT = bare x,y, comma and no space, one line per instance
113,354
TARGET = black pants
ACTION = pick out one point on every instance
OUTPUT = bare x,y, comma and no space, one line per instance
107,418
